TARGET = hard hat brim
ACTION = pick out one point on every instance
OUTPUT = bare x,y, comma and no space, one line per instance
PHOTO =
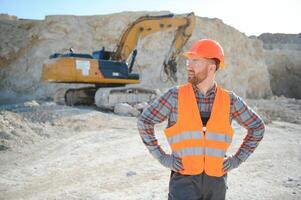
190,55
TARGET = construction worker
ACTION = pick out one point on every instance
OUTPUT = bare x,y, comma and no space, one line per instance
199,129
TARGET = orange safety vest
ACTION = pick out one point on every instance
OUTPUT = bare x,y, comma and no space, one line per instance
201,148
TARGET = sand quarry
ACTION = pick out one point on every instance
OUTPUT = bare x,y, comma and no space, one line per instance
48,151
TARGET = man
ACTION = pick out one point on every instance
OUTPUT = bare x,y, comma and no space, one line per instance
199,130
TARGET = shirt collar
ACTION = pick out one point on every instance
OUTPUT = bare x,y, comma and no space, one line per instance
211,91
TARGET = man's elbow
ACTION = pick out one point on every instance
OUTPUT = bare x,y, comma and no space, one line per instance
260,131
140,123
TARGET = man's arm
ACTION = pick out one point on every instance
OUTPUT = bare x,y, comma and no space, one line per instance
156,113
250,120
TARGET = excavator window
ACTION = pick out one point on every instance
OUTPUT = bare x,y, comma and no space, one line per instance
102,54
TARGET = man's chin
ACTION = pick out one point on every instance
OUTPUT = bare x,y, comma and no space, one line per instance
195,81
192,81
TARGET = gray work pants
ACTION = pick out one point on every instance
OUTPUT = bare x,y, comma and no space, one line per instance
197,187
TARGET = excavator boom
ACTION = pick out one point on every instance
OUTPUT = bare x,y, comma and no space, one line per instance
147,25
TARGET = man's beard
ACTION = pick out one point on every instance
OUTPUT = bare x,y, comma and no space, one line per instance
196,79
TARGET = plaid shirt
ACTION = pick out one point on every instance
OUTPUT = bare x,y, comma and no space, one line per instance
165,107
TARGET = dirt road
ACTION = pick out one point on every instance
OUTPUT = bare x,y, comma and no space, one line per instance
82,153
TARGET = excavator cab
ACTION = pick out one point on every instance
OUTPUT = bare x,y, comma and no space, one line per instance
102,54
108,55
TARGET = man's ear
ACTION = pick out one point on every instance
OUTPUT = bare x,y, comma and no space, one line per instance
212,67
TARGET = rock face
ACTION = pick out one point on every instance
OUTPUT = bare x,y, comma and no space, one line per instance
26,44
283,58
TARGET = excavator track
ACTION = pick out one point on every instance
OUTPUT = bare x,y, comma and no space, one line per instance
72,97
109,97
59,96
105,98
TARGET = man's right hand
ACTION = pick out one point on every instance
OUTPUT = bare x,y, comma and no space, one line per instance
171,162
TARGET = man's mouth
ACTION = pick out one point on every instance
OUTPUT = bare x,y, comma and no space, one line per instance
191,73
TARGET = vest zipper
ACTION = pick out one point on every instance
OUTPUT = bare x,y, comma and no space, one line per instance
204,139
203,174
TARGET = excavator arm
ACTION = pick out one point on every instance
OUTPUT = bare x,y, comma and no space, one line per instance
182,35
143,26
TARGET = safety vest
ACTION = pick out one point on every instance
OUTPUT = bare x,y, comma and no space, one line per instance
201,148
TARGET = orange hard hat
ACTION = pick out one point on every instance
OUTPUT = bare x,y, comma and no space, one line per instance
206,48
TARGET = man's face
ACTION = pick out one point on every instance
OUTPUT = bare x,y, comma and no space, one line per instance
197,70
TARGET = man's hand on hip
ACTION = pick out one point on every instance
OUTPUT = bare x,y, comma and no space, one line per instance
230,163
171,162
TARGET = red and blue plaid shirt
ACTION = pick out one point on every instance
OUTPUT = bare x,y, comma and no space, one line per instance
165,107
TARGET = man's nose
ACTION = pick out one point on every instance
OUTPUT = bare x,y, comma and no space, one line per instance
189,66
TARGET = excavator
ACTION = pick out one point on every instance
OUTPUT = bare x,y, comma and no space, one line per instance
111,71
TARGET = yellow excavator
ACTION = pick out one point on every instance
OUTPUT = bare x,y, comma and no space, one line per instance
110,71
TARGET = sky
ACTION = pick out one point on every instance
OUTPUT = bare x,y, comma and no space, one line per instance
252,17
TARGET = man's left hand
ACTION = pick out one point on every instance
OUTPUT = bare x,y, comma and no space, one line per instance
230,163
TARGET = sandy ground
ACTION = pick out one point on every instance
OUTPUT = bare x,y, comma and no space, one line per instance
58,152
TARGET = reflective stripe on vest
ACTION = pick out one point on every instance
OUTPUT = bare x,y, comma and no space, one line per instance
201,148
194,151
199,135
